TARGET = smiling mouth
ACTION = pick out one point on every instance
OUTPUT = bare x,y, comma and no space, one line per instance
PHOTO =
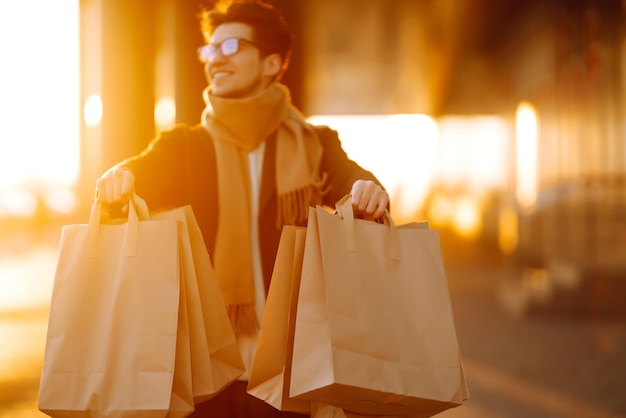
220,74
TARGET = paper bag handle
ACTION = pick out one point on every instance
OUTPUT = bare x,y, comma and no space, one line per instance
137,210
346,212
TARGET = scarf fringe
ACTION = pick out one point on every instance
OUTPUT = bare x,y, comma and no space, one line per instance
243,319
293,207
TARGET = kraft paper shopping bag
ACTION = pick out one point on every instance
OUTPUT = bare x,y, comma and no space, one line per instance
271,370
320,410
112,347
215,357
375,332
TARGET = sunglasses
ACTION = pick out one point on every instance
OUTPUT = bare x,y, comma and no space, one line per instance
227,48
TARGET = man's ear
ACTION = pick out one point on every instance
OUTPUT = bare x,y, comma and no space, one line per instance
272,65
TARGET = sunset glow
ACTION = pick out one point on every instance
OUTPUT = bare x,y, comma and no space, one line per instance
400,149
412,154
39,104
526,147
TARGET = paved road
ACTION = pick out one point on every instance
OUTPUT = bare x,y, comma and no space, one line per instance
533,365
529,359
517,365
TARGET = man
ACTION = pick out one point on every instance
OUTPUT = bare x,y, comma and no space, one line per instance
251,166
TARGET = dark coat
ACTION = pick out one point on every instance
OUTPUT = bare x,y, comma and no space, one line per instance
178,168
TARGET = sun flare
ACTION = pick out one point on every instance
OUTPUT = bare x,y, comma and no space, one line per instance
39,104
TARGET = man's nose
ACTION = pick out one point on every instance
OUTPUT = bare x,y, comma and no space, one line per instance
217,57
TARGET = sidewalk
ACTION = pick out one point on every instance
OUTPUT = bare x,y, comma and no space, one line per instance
534,366
27,265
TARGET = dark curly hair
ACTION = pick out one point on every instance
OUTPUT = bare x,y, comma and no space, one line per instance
269,28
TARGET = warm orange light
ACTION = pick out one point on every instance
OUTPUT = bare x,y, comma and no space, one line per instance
400,149
465,156
40,114
508,235
165,112
440,211
39,103
526,154
467,216
473,153
92,111
26,279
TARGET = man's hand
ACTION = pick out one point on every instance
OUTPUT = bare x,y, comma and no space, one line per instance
369,199
116,186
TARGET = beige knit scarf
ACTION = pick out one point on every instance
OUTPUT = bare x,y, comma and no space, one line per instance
239,126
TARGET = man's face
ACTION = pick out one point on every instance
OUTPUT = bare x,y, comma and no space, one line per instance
241,74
